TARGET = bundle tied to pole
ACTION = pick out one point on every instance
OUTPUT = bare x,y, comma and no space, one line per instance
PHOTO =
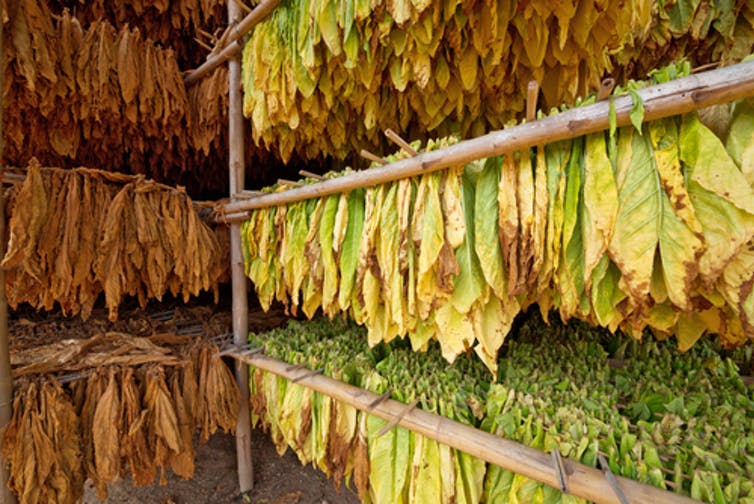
644,226
75,234
135,405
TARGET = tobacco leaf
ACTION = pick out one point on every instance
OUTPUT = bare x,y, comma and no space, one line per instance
106,435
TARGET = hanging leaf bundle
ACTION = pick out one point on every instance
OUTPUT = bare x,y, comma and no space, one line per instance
136,416
42,444
679,422
631,229
79,92
700,30
75,234
326,78
171,24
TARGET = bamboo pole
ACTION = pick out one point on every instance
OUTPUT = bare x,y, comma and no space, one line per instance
6,383
671,98
233,40
238,279
583,481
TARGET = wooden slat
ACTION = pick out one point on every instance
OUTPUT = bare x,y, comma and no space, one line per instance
240,305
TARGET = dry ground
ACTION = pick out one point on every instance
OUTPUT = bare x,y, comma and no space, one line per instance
278,480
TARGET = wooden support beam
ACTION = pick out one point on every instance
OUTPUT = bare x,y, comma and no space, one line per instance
671,98
232,43
6,383
583,481
238,278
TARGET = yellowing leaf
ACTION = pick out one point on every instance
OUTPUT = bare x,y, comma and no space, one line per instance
600,202
645,219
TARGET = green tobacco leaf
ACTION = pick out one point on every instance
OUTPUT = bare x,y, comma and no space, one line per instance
571,268
486,242
637,110
330,268
681,15
389,462
709,164
294,260
468,284
740,140
600,202
350,250
557,156
328,25
606,293
470,472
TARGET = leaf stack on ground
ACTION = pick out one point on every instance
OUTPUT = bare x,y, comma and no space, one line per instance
75,234
680,422
327,77
624,229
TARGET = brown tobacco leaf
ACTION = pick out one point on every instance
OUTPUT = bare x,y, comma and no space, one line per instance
77,233
18,447
42,445
106,436
95,387
218,395
361,468
182,462
340,449
162,421
63,426
221,394
97,95
134,446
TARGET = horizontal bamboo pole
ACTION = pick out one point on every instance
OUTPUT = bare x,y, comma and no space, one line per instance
232,45
583,481
671,98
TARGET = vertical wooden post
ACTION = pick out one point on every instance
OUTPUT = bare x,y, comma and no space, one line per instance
238,278
6,385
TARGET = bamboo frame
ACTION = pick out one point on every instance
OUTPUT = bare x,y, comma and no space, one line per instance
231,44
238,278
6,382
583,481
671,98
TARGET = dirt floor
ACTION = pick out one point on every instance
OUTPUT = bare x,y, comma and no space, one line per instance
277,480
